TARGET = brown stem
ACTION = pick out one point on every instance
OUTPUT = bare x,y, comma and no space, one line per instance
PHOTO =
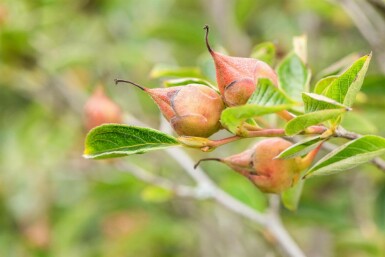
219,142
129,82
285,115
261,133
315,130
207,159
206,27
266,133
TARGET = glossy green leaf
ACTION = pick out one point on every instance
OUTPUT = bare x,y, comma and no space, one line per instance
349,155
266,94
265,52
322,84
290,197
301,148
345,88
293,76
315,102
116,140
233,117
162,71
304,121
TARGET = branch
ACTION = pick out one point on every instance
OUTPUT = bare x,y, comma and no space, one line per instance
271,223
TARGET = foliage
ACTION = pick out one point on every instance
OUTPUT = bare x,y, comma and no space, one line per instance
55,203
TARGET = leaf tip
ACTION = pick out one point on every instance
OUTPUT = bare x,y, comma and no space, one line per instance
86,156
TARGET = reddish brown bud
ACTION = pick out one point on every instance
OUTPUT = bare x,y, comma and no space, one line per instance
237,77
259,165
101,109
192,110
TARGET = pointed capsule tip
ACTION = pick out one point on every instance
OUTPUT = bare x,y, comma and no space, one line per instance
207,159
207,28
117,81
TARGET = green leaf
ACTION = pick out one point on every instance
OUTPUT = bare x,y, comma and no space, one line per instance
162,71
116,140
233,117
349,155
266,99
265,52
267,94
322,84
314,102
293,76
301,148
290,197
156,194
345,88
188,81
304,121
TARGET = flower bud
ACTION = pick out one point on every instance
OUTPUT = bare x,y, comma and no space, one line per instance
101,109
237,77
192,110
259,165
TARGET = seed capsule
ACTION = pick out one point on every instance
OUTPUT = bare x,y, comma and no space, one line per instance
259,165
237,77
192,110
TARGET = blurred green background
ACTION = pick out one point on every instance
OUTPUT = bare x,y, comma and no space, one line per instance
53,53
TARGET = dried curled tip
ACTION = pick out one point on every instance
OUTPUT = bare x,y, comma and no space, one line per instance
206,27
207,159
129,82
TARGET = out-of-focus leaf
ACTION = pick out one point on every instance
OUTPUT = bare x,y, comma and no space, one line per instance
116,140
300,47
304,121
345,88
323,83
162,71
301,148
265,52
358,123
188,81
380,209
156,194
338,66
349,155
293,76
290,197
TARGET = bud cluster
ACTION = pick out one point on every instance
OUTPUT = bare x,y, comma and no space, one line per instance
194,109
